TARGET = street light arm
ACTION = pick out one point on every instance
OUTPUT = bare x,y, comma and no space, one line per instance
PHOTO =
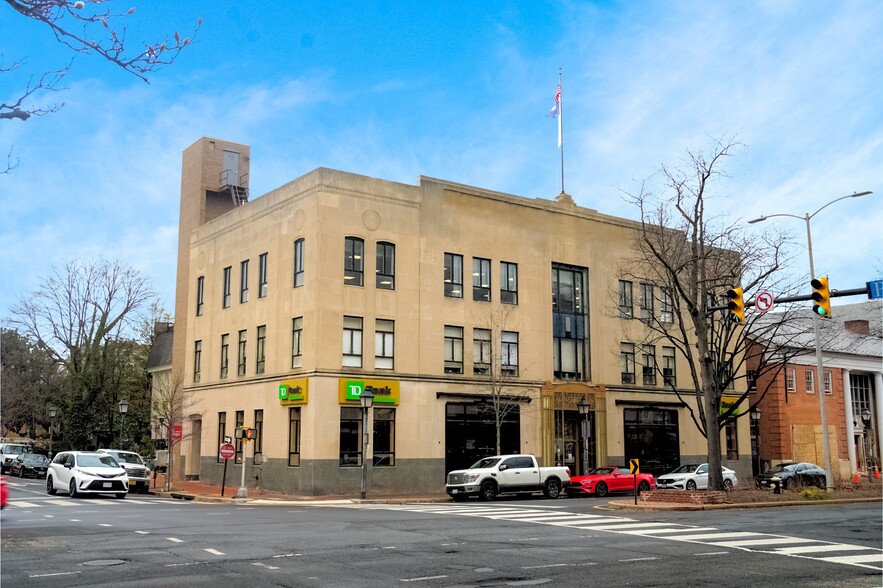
856,195
763,218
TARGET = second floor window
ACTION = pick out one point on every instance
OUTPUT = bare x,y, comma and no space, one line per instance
809,376
627,360
666,306
260,356
829,383
298,263
354,261
648,368
509,353
243,336
508,283
200,295
243,281
228,276
453,275
647,302
297,335
384,344
453,350
668,366
352,341
386,266
626,304
481,351
197,361
790,381
481,279
262,276
225,355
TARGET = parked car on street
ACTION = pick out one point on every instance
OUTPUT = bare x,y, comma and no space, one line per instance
136,469
499,474
8,452
29,464
86,472
4,492
694,477
602,481
792,474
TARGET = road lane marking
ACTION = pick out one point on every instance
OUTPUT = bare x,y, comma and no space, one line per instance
718,536
175,539
23,504
714,553
104,525
55,574
638,559
289,555
143,532
62,502
76,521
422,578
214,551
263,565
767,541
557,565
874,558
821,547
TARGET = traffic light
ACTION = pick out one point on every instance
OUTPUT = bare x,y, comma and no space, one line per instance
736,306
822,297
251,434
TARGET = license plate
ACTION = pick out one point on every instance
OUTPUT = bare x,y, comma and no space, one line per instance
456,490
131,482
107,484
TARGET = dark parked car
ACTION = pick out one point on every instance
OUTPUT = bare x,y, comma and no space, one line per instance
792,474
29,464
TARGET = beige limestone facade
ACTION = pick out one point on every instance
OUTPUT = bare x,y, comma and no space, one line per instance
444,299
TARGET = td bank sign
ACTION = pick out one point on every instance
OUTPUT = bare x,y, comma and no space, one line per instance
385,391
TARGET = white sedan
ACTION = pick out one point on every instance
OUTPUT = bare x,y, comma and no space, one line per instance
86,472
694,477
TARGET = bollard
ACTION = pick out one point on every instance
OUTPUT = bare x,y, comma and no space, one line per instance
777,485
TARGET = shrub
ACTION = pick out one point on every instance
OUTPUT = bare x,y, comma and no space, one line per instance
813,493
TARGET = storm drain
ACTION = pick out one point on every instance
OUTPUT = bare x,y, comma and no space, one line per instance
104,562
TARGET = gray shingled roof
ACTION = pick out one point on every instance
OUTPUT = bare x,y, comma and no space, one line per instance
161,352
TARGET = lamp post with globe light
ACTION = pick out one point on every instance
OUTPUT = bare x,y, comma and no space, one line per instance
124,408
366,400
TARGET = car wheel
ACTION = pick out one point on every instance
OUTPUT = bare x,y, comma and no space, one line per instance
728,485
601,490
487,492
459,497
121,495
691,484
72,489
50,486
552,489
643,487
786,483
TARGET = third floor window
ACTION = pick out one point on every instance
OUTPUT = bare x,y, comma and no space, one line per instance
354,262
481,279
386,266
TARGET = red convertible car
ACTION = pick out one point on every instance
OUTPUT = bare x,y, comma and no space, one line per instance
602,481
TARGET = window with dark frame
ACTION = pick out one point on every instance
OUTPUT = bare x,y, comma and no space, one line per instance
386,266
228,277
648,367
350,436
225,355
809,377
453,275
384,344
240,421
668,366
732,439
509,353
197,361
829,384
222,432
241,364
453,350
569,322
200,295
790,380
243,281
508,282
352,341
299,263
751,379
647,304
258,452
260,355
627,360
481,279
354,261
297,335
626,303
384,438
262,275
481,351
294,436
666,306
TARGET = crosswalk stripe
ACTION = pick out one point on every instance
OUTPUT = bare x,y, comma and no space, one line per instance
23,504
824,547
62,502
670,530
767,541
625,526
717,536
875,558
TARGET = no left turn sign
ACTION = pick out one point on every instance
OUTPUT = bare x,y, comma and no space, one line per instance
763,301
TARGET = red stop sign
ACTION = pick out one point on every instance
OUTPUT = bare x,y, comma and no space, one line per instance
227,451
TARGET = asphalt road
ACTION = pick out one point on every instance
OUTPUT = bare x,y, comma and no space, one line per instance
150,541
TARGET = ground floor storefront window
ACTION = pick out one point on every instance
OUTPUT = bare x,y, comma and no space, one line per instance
651,436
471,433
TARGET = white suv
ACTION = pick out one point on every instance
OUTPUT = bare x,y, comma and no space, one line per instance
8,453
136,469
86,472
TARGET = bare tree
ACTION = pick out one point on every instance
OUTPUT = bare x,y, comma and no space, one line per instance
170,406
75,316
495,362
692,259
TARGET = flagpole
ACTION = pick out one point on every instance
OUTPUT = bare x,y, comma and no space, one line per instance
561,128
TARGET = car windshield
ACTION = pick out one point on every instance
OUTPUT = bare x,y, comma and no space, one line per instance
16,449
602,471
127,457
97,461
687,468
34,459
487,462
783,467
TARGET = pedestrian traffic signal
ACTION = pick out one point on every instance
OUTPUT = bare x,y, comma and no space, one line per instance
821,296
736,305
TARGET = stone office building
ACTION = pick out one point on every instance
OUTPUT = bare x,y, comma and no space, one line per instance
446,300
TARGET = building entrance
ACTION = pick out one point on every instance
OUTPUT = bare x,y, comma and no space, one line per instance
471,433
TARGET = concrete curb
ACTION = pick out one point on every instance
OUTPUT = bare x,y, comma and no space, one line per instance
623,505
297,501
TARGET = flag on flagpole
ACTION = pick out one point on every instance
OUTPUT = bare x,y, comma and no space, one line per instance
556,112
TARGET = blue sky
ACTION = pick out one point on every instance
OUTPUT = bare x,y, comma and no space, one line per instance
458,91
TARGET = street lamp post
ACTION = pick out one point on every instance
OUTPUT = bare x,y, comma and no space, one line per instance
124,408
826,442
584,407
755,418
53,411
866,422
366,399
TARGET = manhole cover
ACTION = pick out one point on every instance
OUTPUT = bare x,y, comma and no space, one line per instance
104,562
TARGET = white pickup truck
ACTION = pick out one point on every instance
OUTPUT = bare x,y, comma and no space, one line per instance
501,474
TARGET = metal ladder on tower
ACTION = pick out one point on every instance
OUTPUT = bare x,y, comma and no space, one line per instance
240,195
